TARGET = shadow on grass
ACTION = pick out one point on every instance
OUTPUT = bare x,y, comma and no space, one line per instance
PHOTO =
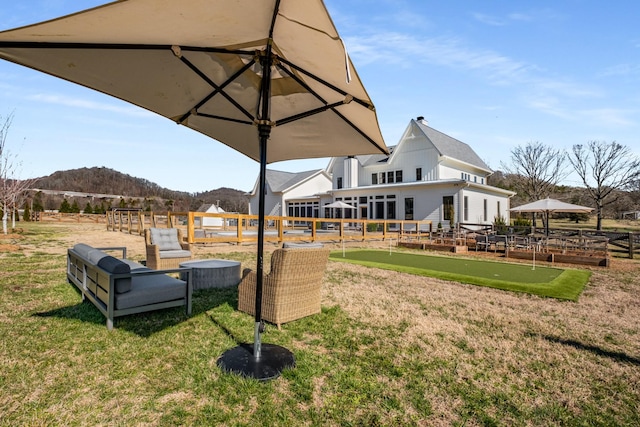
615,355
148,323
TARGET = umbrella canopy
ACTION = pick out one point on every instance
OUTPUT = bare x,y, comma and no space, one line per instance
200,64
547,206
551,205
269,78
339,204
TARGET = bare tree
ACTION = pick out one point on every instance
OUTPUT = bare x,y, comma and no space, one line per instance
11,188
535,170
605,168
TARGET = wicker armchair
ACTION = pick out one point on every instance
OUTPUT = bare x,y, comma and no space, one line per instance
291,290
165,248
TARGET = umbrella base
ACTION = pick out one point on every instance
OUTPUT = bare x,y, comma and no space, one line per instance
273,360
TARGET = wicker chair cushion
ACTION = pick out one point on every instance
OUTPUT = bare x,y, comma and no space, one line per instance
165,238
291,245
175,254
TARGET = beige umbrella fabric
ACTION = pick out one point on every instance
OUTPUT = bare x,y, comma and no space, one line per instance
547,206
177,57
269,78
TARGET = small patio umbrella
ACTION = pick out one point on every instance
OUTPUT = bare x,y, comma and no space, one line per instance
547,206
339,205
269,78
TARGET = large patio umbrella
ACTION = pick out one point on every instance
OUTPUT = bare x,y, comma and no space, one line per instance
548,206
269,78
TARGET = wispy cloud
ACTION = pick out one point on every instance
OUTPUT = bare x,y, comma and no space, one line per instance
514,17
552,95
620,70
489,19
89,105
405,51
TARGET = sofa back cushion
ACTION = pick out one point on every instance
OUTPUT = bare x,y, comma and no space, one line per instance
165,238
115,266
83,249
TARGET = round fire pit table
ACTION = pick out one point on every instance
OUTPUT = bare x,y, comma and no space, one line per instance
213,273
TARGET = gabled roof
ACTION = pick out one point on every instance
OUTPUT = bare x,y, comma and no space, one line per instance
205,208
451,147
279,181
444,144
372,159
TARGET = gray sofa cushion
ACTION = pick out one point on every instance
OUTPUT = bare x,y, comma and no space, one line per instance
135,266
151,289
115,266
165,238
290,245
94,256
83,249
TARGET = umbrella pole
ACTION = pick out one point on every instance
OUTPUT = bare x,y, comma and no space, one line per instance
260,361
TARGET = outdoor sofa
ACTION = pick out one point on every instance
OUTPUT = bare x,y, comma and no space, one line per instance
118,287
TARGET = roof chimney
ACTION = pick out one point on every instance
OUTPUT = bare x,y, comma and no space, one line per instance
421,119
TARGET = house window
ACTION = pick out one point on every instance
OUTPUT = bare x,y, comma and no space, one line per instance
374,178
499,213
379,210
484,209
382,178
418,174
399,176
481,180
363,200
408,208
447,205
390,177
339,182
466,208
391,209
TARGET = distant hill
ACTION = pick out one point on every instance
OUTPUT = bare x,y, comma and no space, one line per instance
101,180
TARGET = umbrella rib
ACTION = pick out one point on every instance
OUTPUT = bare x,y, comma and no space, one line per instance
326,83
114,46
332,107
218,89
309,113
228,119
357,129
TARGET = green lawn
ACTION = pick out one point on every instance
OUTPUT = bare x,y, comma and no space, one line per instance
382,352
543,281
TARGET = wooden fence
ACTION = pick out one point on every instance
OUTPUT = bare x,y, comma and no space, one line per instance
241,228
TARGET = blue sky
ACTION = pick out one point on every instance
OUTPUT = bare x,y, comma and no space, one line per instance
492,74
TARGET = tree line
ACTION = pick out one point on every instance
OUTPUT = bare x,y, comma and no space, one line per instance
608,171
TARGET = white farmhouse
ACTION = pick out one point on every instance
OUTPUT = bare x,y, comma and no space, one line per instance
427,176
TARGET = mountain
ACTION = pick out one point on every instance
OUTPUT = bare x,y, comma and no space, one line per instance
106,181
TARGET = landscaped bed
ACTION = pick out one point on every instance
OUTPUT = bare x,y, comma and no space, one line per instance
543,281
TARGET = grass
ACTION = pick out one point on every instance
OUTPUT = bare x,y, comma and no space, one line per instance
543,281
388,349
